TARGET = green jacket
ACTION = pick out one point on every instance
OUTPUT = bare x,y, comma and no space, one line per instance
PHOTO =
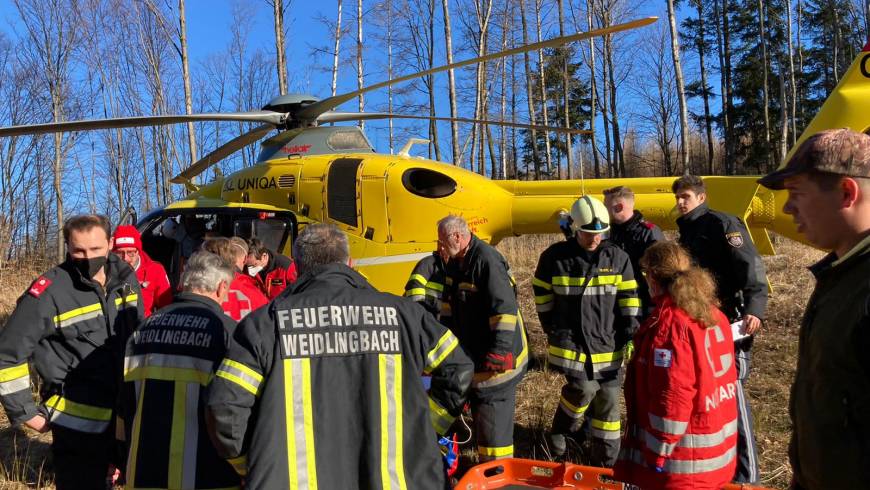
830,398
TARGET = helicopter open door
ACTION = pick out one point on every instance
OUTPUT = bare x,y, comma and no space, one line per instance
171,234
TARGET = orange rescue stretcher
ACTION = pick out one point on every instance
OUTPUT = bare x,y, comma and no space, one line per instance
524,474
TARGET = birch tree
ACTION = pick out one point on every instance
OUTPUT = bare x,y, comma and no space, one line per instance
681,87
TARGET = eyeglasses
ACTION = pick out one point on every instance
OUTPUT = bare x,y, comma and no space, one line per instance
127,253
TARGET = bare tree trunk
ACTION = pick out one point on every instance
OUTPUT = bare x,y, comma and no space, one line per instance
506,24
800,50
708,120
389,70
359,58
185,71
336,51
536,158
542,87
140,137
451,84
484,14
280,53
593,98
614,109
765,89
681,87
730,164
783,136
565,91
792,83
433,126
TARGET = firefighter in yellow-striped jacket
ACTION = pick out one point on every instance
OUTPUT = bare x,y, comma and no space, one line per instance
170,360
486,319
71,324
429,285
322,388
586,298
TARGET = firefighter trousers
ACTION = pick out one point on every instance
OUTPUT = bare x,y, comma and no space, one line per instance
747,454
81,459
493,412
598,401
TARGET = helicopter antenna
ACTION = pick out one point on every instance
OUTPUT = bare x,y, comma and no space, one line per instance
406,150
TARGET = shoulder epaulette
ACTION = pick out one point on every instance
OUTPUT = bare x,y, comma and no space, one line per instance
39,286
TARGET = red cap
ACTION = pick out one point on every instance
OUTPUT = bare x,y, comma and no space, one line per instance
127,236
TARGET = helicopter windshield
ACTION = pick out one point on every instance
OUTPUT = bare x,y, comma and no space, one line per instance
170,236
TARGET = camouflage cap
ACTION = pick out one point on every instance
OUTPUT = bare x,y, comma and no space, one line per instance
836,151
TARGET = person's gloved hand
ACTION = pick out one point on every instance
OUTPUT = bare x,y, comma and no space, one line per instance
498,362
628,351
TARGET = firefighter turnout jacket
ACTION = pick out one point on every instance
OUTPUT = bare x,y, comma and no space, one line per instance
429,285
322,388
74,331
634,237
720,243
278,273
169,362
681,401
587,303
486,318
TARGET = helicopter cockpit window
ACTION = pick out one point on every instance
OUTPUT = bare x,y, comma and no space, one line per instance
341,190
347,140
428,183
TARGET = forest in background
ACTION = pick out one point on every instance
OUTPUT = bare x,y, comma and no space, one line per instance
715,87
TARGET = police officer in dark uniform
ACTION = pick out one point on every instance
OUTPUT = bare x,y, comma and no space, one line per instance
332,372
720,243
487,321
72,324
633,234
170,360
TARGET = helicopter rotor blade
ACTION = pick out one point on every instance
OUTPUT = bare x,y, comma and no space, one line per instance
269,117
356,116
312,111
222,152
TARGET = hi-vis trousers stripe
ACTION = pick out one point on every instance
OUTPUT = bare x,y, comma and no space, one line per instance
392,459
301,459
184,435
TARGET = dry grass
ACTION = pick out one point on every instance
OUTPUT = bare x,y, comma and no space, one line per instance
22,456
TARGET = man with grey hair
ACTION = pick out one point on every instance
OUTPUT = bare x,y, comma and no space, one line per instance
487,321
169,362
331,371
828,184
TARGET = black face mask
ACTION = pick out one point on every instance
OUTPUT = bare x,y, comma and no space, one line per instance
88,268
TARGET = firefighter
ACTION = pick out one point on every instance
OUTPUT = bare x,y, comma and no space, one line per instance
720,243
245,294
586,298
633,234
680,388
427,285
487,321
156,291
321,389
72,324
170,360
273,271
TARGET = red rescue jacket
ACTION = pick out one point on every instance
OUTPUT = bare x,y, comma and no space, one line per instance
680,395
279,273
156,291
244,297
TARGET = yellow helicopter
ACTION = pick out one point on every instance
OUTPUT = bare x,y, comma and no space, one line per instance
388,205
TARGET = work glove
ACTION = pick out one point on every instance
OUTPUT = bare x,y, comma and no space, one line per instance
628,351
498,362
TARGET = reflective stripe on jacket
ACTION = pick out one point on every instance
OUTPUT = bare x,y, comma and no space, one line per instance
429,286
74,332
170,361
587,303
332,372
680,396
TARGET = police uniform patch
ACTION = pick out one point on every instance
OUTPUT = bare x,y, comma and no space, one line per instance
735,239
39,286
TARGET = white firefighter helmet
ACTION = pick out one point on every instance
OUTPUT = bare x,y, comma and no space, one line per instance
590,215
